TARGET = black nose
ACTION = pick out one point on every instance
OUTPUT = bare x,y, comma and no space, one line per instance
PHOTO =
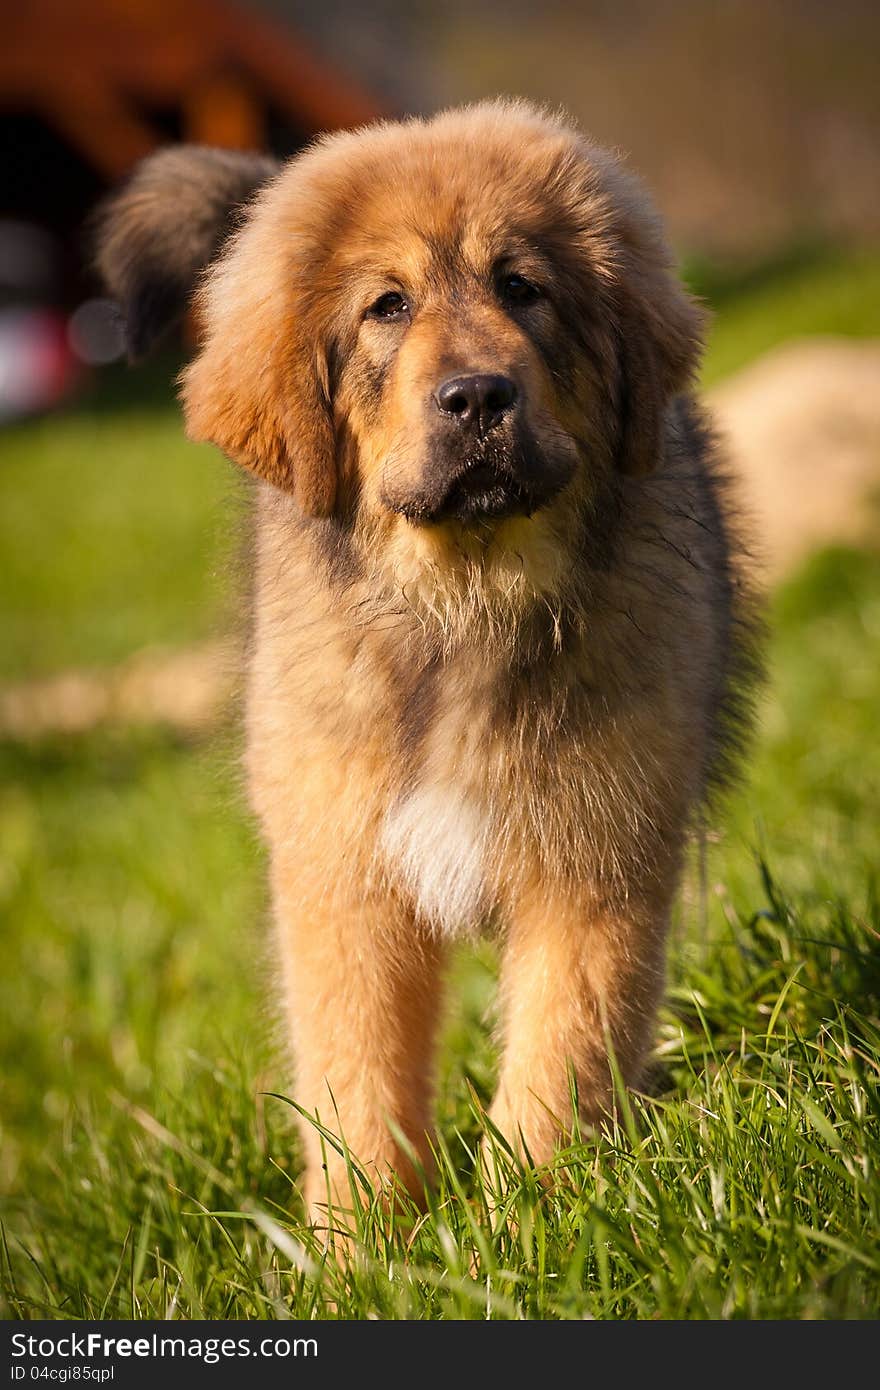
481,400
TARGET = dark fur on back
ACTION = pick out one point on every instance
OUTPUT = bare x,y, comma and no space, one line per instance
163,228
739,608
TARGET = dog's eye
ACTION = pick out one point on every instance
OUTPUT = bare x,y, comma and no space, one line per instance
388,306
516,289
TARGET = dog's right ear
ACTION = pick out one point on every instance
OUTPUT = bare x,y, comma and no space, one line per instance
159,232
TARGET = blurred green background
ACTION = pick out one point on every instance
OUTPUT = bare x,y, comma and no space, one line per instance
131,882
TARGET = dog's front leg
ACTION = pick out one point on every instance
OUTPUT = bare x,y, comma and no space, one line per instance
362,994
577,977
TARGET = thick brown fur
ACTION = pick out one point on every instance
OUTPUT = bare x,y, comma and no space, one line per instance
457,717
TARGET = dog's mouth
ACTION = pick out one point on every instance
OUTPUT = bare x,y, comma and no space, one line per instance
483,492
477,493
489,486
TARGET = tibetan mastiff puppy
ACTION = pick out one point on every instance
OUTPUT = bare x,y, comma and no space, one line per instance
500,650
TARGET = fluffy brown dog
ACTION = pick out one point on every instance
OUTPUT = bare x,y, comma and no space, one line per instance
499,652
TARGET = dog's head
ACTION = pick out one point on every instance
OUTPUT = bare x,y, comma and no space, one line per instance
456,331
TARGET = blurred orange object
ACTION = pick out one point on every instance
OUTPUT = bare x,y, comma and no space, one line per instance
89,87
100,70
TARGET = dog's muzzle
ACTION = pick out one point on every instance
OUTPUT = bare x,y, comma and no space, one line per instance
482,463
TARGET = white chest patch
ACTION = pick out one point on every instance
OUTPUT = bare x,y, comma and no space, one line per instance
434,843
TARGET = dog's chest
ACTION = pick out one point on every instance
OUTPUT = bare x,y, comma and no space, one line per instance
436,844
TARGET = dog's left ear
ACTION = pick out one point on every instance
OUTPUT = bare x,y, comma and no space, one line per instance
660,338
659,327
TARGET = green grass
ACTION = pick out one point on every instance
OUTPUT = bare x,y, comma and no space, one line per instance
810,292
125,546
148,1162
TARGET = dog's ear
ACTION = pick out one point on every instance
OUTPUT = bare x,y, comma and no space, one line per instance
169,221
658,326
660,335
260,386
